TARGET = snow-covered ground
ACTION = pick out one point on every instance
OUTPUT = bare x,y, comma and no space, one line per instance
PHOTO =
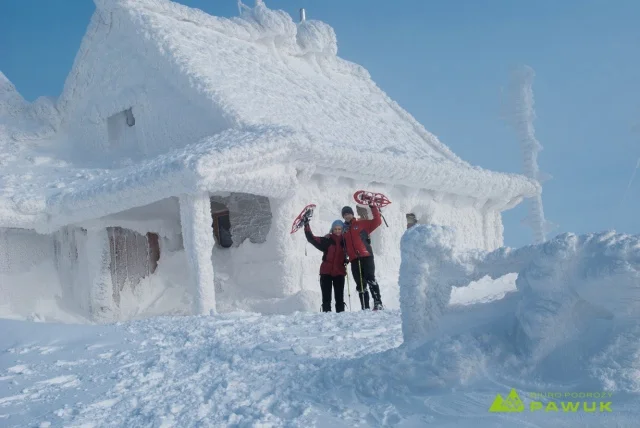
300,370
236,369
564,337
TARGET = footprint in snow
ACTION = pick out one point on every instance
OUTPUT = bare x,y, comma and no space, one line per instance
19,369
44,350
61,381
298,350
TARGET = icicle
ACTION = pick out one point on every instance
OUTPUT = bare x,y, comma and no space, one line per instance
125,256
148,248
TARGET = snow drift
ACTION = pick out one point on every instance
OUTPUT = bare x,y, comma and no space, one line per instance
575,294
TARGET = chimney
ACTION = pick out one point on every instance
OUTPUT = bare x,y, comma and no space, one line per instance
303,15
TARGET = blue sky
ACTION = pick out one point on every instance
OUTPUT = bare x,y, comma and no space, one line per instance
446,63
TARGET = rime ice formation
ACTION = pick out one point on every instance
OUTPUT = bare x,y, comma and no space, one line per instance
164,104
565,286
198,242
317,37
523,115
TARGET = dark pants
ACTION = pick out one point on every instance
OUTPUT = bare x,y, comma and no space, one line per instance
367,266
337,283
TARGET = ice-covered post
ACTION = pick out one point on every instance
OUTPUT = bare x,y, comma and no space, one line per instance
102,306
522,117
197,235
429,268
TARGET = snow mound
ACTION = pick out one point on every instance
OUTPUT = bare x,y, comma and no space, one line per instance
274,26
20,120
317,37
10,99
574,294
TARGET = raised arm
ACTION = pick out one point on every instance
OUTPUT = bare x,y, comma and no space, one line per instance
320,243
371,225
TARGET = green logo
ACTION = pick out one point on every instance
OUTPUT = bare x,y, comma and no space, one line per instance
550,402
513,403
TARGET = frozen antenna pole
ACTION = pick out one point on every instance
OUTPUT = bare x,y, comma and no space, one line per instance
521,118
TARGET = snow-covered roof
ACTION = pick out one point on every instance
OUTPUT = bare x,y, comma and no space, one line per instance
48,197
263,69
278,85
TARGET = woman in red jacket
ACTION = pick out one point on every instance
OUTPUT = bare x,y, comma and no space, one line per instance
332,269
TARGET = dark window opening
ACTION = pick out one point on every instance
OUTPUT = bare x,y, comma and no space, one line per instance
153,241
129,116
240,216
222,228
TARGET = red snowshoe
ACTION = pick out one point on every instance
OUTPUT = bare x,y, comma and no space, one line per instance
363,197
307,212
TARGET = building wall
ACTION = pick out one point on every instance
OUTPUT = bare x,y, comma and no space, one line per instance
252,269
474,228
29,285
267,268
22,249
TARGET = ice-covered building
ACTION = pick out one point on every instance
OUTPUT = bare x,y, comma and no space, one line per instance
182,147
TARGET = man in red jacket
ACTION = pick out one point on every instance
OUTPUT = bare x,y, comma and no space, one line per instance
358,246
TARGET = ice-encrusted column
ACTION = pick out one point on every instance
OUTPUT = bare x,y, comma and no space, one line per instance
522,119
197,235
102,306
424,272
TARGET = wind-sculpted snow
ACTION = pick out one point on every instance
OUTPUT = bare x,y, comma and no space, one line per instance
317,37
574,293
23,121
268,26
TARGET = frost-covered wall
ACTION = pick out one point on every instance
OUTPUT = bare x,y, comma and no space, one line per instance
114,72
29,287
563,285
21,249
476,228
70,256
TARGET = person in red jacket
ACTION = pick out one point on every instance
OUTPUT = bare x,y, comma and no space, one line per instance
333,268
358,245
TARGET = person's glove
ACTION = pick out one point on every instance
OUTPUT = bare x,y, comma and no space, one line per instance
305,221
